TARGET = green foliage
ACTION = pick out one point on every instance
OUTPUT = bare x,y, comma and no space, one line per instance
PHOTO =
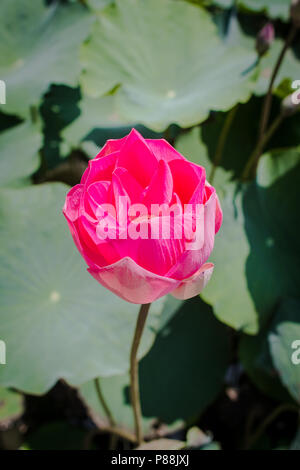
167,61
289,69
38,47
58,324
285,346
10,404
19,157
273,8
258,237
90,118
182,354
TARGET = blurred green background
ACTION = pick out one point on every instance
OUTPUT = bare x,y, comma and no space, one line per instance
217,371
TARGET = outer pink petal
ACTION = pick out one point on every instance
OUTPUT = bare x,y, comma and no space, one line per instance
137,158
71,212
94,196
219,215
101,252
195,284
100,169
190,261
73,202
111,146
132,283
163,150
208,190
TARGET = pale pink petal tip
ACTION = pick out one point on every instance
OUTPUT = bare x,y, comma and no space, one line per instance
133,283
195,284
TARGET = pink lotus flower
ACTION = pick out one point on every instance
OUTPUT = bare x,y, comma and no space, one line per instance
122,244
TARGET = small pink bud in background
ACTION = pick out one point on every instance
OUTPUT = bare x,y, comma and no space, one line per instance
265,38
295,12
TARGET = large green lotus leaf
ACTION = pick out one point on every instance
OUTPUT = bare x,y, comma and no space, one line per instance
11,403
231,246
257,241
228,290
289,69
285,352
191,145
39,46
94,114
166,62
55,319
19,153
273,8
272,230
180,376
98,120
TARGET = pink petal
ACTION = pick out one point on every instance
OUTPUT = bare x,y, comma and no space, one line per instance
208,190
163,150
219,215
132,283
95,195
101,252
189,262
111,146
137,158
72,202
71,208
100,169
71,212
158,255
186,177
198,194
160,189
125,184
195,284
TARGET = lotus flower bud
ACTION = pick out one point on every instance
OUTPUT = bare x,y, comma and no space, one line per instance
295,12
290,106
264,39
131,243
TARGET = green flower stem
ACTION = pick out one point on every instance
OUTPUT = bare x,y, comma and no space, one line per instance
103,403
221,142
268,100
134,375
263,135
253,160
